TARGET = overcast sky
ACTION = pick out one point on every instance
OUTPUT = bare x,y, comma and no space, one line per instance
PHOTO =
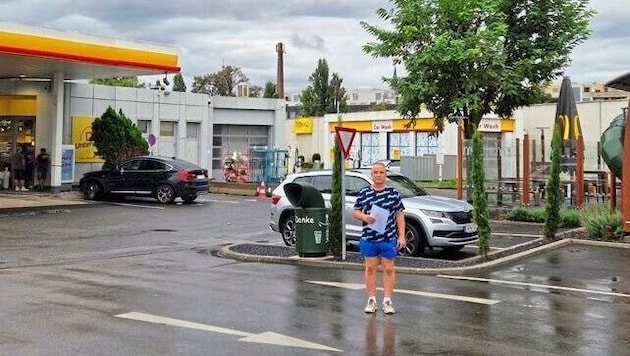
244,33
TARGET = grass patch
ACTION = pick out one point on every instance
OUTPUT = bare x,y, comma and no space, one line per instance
444,184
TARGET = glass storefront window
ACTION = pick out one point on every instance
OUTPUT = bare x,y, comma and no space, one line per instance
426,143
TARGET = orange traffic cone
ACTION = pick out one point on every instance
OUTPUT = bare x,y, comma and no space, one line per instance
261,192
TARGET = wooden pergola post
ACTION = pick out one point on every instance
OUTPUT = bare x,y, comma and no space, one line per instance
579,172
625,177
526,169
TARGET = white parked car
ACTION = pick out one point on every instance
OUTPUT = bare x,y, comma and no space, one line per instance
432,221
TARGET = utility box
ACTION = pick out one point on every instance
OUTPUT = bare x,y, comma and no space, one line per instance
311,219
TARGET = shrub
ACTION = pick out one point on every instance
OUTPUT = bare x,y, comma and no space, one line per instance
568,217
601,223
316,157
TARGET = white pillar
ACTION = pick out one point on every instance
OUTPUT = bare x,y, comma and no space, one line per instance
56,131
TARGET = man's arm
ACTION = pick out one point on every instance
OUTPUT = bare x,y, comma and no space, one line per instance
400,225
361,216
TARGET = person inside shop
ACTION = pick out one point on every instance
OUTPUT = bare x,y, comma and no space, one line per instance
42,161
18,165
29,166
5,175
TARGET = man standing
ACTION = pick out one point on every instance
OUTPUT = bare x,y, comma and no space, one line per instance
18,164
42,160
380,209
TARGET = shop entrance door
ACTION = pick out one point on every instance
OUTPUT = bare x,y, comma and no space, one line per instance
14,132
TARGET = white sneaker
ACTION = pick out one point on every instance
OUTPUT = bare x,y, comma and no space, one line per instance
24,189
371,306
388,307
17,189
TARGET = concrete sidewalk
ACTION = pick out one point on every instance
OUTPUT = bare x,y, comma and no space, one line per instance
11,201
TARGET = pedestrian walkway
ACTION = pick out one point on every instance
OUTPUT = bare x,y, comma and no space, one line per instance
33,200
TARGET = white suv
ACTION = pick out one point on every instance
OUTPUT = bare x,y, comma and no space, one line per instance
432,221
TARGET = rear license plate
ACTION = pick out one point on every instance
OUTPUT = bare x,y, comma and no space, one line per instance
468,228
201,176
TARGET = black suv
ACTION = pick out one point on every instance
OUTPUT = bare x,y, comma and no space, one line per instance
164,178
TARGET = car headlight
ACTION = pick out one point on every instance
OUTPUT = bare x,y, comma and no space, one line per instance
434,214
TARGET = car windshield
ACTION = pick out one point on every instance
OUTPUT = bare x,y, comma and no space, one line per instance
405,186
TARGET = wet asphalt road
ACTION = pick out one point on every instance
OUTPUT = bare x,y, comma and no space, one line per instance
102,280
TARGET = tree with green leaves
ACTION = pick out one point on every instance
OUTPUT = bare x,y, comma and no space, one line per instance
178,83
336,203
324,95
221,83
117,138
130,82
480,201
270,90
554,193
469,57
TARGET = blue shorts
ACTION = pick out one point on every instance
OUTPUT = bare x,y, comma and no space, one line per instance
385,249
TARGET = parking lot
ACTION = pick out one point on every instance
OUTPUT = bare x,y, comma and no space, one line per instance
139,278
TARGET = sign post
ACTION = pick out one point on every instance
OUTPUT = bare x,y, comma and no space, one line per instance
345,136
152,139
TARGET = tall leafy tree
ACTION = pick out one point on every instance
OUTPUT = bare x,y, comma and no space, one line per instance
324,95
470,57
178,83
220,83
336,203
554,192
270,90
130,82
117,138
480,202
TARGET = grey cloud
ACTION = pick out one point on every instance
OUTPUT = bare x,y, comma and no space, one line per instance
312,42
244,33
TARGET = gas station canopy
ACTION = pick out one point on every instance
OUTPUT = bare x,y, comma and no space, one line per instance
29,52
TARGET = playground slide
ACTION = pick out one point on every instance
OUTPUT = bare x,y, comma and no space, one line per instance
612,144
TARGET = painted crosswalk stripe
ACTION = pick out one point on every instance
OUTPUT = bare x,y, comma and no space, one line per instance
460,298
543,286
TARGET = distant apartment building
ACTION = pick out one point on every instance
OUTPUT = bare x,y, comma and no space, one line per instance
588,92
357,100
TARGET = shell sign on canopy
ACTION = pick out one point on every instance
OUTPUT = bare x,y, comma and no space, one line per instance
303,125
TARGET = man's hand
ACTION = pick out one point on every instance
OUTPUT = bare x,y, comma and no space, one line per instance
368,219
402,242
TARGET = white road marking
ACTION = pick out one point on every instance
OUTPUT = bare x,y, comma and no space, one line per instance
357,286
544,286
267,337
492,248
510,235
139,206
221,201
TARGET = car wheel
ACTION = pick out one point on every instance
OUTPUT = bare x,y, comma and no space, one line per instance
189,198
92,191
165,194
415,241
287,229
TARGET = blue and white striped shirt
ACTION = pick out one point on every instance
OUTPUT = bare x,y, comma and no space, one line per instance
388,199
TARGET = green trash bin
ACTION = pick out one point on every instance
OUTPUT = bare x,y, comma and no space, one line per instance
311,219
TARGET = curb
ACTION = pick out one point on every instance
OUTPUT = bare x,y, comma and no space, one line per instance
227,252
